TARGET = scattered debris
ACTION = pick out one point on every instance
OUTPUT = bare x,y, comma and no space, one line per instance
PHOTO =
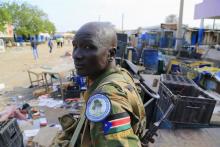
11,112
41,91
50,102
30,133
45,136
43,122
68,54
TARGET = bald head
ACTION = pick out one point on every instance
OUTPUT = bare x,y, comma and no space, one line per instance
103,33
95,48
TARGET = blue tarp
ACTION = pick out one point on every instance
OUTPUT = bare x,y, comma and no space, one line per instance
57,36
19,39
200,36
167,42
193,39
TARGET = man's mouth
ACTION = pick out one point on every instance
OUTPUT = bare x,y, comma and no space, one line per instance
79,66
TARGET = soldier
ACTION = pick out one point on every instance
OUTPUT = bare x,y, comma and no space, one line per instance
119,119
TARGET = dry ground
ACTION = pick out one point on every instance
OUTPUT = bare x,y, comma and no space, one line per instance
15,62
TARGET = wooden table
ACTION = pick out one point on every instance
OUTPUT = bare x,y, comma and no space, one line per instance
59,71
42,72
39,76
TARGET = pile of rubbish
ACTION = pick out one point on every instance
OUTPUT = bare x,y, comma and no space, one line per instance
36,119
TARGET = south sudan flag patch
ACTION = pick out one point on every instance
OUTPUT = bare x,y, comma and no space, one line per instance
117,123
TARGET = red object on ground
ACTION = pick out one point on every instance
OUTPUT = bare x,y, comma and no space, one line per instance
72,99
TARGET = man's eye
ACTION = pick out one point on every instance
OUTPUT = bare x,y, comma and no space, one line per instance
87,47
90,48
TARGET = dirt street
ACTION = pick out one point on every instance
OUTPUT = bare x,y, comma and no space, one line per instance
16,61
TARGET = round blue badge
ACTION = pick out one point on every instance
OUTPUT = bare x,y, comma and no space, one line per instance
98,108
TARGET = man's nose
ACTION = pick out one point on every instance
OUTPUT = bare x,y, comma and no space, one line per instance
77,54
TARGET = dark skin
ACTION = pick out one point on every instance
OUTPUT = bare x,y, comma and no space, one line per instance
94,53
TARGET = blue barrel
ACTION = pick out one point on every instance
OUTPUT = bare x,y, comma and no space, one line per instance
164,42
150,59
20,39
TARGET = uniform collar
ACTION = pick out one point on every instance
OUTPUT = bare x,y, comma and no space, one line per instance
98,80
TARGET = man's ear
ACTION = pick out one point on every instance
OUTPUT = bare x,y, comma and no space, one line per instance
112,52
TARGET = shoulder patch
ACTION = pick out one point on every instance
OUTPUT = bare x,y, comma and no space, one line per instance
117,123
98,107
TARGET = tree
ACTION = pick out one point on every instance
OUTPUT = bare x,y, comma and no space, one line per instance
171,19
5,18
49,27
28,19
73,31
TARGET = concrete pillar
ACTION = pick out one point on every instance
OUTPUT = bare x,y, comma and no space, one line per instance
179,36
200,32
202,24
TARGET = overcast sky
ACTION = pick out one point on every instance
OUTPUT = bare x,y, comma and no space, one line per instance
71,14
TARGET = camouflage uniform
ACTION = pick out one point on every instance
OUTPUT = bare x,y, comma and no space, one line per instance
119,87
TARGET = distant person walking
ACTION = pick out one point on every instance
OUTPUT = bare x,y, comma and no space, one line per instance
50,44
61,42
58,42
34,48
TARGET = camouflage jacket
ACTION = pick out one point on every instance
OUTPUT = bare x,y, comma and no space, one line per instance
127,112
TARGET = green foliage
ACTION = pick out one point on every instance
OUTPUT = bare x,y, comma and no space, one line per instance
5,18
27,19
172,18
49,27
